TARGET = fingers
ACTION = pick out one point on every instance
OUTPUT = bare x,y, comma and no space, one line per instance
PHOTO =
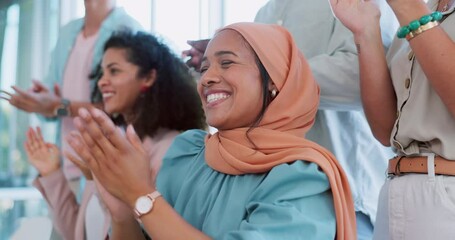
57,90
32,143
76,142
87,139
199,45
134,138
38,86
24,94
109,130
40,139
81,165
5,95
52,148
37,140
28,151
20,101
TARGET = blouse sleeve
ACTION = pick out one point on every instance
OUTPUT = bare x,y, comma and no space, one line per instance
293,202
61,201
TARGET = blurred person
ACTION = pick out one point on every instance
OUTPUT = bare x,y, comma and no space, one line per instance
257,177
340,124
140,81
67,86
408,99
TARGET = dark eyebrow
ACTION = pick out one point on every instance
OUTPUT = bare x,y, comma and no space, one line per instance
111,65
220,53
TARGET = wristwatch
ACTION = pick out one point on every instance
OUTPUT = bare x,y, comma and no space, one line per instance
144,204
63,110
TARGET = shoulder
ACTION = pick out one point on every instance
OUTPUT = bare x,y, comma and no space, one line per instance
73,26
186,147
289,180
71,29
187,143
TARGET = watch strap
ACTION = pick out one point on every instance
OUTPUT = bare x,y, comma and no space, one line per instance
152,196
63,109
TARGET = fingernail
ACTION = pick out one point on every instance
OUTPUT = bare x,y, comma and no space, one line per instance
96,112
132,128
83,113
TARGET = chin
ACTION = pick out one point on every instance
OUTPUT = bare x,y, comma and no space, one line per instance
109,110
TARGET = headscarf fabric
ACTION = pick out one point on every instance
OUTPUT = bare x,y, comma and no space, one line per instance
280,135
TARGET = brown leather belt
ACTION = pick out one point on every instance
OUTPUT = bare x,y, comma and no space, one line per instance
400,164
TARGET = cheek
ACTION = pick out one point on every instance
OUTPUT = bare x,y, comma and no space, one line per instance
200,91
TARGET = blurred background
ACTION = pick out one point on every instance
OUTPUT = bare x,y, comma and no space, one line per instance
28,32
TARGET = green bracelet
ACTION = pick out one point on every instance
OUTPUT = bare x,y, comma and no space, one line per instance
414,25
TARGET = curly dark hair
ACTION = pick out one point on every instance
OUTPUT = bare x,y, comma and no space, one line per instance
172,101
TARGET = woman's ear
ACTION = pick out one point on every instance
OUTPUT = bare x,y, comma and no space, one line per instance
150,78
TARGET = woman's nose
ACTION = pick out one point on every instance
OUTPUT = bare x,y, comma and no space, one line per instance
102,81
210,77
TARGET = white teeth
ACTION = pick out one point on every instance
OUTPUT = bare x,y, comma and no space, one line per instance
216,96
106,95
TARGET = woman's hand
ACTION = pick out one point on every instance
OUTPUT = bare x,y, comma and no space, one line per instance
120,164
359,16
80,164
120,211
37,99
43,156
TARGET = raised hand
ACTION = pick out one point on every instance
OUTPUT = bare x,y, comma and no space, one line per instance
357,15
37,99
80,164
45,157
195,53
120,211
120,164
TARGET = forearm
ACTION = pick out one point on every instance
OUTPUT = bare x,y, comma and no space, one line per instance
437,60
377,93
61,201
163,222
126,230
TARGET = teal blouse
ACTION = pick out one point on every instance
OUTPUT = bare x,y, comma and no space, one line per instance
291,201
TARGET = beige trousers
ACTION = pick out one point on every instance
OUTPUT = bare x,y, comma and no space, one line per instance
416,207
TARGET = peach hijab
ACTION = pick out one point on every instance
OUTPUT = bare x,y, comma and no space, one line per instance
280,136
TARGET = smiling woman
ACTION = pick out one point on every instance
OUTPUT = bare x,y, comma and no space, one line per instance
257,171
143,84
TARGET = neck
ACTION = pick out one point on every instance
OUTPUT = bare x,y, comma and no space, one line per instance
128,118
95,13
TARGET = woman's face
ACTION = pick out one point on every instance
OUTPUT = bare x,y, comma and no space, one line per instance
230,85
119,84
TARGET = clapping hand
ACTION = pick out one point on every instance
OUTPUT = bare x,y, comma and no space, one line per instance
195,53
120,164
37,99
45,157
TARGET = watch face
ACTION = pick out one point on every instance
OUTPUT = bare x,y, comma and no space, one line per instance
144,204
62,112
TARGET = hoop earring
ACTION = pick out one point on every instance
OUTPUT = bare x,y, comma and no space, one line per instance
273,94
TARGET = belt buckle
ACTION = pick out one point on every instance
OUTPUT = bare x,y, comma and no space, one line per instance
397,171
